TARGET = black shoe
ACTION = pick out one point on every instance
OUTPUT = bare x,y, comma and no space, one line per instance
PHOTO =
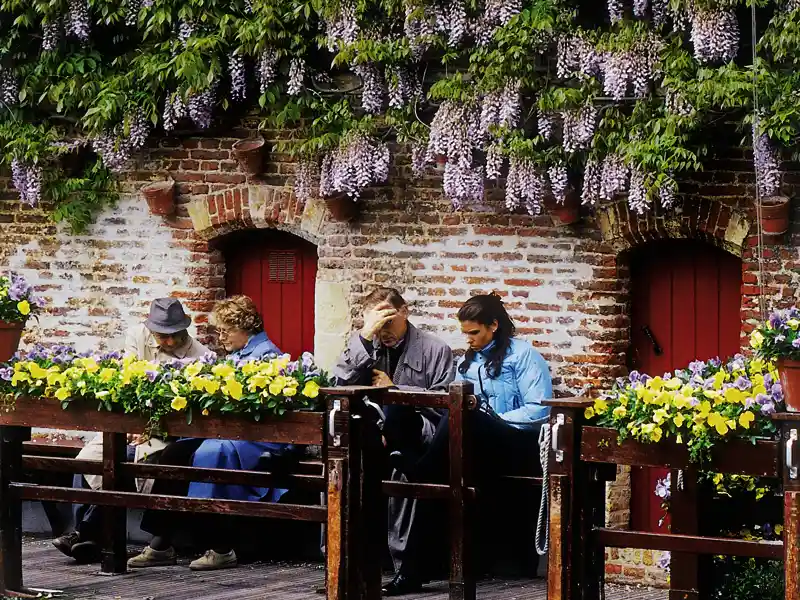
65,543
401,585
85,553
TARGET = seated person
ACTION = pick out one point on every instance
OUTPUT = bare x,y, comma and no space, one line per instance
241,332
511,379
162,338
389,350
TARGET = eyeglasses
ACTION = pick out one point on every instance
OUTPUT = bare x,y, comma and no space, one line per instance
224,333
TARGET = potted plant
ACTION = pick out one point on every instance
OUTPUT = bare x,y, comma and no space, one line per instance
17,304
779,339
567,210
160,196
775,216
342,207
249,154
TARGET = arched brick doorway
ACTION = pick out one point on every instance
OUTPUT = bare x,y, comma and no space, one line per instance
685,306
278,271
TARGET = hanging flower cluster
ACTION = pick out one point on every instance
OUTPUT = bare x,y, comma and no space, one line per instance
715,35
116,147
357,163
633,68
767,161
27,179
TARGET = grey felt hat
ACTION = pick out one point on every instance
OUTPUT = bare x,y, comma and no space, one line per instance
167,316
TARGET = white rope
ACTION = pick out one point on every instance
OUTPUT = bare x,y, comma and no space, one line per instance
542,528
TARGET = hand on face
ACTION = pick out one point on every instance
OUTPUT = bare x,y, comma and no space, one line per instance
376,319
381,379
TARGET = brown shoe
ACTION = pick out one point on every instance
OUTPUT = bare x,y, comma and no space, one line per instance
65,543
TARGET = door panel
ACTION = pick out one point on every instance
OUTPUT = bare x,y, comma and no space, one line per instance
688,294
278,271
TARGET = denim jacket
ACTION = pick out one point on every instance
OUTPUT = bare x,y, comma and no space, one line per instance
518,390
258,346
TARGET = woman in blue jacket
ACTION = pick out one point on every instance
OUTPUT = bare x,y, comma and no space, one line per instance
511,379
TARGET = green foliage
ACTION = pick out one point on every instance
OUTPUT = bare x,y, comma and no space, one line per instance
87,89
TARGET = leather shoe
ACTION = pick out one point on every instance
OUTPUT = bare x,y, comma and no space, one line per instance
401,585
86,553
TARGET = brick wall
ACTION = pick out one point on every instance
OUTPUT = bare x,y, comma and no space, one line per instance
566,287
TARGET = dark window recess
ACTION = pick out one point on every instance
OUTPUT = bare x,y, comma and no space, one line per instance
282,267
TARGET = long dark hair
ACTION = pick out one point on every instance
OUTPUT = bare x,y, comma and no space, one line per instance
486,309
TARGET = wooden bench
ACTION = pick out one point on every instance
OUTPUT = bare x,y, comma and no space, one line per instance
336,476
459,492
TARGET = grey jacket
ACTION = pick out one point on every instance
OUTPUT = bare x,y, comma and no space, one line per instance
426,362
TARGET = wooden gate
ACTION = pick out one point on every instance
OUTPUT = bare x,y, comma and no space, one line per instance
278,271
686,300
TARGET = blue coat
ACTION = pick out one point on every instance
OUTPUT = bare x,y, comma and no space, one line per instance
517,392
235,454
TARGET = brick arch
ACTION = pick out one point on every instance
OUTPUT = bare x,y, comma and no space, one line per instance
256,207
703,219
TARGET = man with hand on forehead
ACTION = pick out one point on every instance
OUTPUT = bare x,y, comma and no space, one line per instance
389,351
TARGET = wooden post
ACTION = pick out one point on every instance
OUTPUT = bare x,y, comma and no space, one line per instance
11,439
684,505
566,546
336,448
790,437
115,527
462,573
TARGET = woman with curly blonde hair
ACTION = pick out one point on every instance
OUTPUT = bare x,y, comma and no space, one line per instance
241,329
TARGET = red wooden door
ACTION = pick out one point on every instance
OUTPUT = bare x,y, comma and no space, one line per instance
278,271
688,296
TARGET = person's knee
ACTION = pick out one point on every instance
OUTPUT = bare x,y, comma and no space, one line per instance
212,449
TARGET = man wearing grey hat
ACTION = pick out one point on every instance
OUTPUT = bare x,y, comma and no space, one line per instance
162,338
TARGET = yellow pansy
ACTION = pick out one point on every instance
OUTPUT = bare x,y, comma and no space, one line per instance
289,391
655,384
678,419
24,307
756,340
276,385
731,423
735,396
656,434
55,378
197,383
36,371
619,412
311,389
257,382
674,383
233,389
223,370
212,385
746,418
193,370
19,377
175,387
793,323
62,393
107,374
588,413
250,367
717,421
205,412
178,403
660,416
719,379
600,406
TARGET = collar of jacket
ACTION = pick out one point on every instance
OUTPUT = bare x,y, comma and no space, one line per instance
486,349
252,343
411,355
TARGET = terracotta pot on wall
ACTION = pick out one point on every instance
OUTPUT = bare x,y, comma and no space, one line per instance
250,155
789,371
569,211
10,334
342,207
160,196
775,216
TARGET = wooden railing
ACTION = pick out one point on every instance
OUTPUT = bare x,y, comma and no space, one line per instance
459,491
584,458
335,430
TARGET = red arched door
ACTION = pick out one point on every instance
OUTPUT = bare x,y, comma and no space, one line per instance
278,271
686,300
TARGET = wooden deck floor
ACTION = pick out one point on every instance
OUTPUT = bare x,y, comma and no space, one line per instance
46,569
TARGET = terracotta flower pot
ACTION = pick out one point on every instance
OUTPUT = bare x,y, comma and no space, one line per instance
342,207
789,371
441,162
775,215
160,196
10,334
250,155
569,211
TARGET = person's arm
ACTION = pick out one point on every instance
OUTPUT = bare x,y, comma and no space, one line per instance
534,384
132,342
443,372
354,366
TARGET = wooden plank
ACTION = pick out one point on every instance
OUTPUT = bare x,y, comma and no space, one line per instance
296,427
225,476
267,510
336,577
462,576
600,444
56,464
683,511
574,403
11,439
114,557
558,521
616,538
426,491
